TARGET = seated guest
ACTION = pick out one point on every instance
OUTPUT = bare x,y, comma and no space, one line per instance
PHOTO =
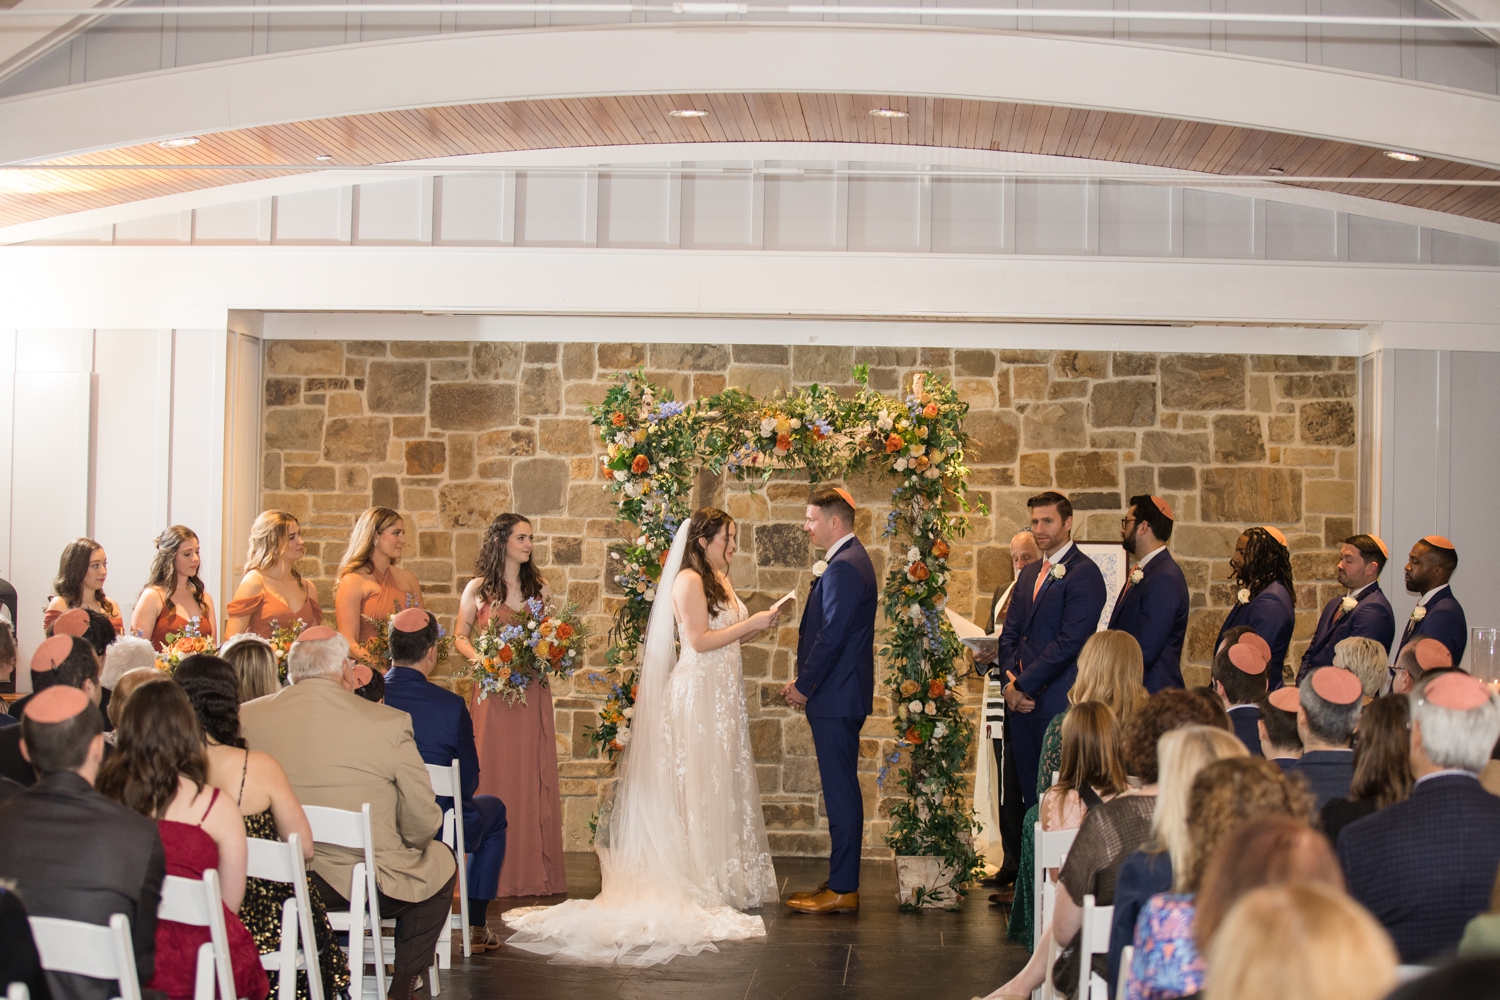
124,688
254,662
1182,754
1329,702
1473,977
1225,794
1438,615
445,732
1417,864
61,660
124,654
1301,941
369,684
1416,660
1265,597
19,961
1239,679
69,851
8,659
1364,611
1365,659
1279,740
1382,765
270,811
1482,935
159,770
340,751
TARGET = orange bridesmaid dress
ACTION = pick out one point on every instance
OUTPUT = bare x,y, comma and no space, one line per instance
266,611
383,603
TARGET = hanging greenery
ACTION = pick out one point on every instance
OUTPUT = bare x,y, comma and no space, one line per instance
655,445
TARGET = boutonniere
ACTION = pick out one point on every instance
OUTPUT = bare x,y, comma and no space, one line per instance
820,567
1243,596
1418,613
1348,604
1137,575
1058,572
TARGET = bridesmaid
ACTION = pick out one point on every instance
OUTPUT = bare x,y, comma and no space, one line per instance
517,744
370,582
272,587
80,584
174,596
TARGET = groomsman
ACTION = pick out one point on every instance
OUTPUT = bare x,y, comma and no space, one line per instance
1153,607
1054,608
1265,597
1364,611
1438,614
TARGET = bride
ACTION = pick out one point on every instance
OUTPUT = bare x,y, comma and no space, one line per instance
682,845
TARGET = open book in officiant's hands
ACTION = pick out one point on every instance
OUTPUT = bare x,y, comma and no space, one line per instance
986,647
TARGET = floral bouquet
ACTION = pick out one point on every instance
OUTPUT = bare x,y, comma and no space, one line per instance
176,646
377,649
612,735
282,637
548,641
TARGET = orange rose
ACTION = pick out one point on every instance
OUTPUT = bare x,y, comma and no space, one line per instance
564,631
640,464
894,444
935,689
618,420
634,690
940,549
918,571
912,736
662,559
783,442
921,463
930,410
505,655
556,654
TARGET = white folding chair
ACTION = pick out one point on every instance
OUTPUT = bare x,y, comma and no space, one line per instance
1127,955
17,991
1050,851
343,828
448,782
198,902
1094,940
88,950
281,861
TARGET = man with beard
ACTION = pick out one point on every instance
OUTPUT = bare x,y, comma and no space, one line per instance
1438,614
1364,611
1153,607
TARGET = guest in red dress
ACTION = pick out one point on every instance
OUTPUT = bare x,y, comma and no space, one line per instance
80,584
273,592
174,597
159,770
371,585
517,744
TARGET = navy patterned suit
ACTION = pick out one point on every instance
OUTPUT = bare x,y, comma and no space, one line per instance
1040,645
1272,616
1246,722
1155,611
1444,622
1424,866
836,673
1372,618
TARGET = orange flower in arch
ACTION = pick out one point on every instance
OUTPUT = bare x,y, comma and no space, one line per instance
918,571
940,549
935,689
894,444
640,464
783,442
912,736
618,420
930,410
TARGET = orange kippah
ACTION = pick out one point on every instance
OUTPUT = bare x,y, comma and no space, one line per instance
1274,533
1380,544
315,633
411,620
1247,659
1431,654
1439,542
1284,698
847,498
1164,507
74,622
362,675
1256,643
50,653
58,703
1457,691
1337,685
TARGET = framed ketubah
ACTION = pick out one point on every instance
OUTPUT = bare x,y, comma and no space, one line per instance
1113,562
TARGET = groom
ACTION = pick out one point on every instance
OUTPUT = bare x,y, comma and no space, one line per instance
836,683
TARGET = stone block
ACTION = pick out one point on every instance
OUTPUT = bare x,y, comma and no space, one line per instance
435,544
385,491
798,845
619,357
270,470
979,393
418,498
590,500
566,437
1074,389
451,370
567,550
1123,403
1115,440
1124,364
1328,496
541,391
1140,480
1204,541
1036,469
994,437
308,477
1259,387
492,360
761,354
1291,363
1083,469
789,816
472,505
1310,566
540,354
472,406
1281,429
507,442
765,740
1029,381
460,456
1011,356
578,395
365,348
782,545
357,439
708,384
1081,364
980,364
1054,425
304,357
426,458
298,429
934,357
1163,447
690,357
283,391
1336,529
345,404
1203,381
1317,386
1257,495
541,485
1203,633
1177,477
1308,456
760,382
800,774
430,349
1237,438
886,357
824,364
1098,501
1332,422
325,385
396,387
299,505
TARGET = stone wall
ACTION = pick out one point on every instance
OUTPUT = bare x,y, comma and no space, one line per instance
453,433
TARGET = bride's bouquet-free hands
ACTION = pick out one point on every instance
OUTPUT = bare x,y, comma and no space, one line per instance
545,641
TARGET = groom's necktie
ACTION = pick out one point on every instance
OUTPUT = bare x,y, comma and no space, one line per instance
1037,587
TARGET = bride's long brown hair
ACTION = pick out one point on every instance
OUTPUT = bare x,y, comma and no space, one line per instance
706,525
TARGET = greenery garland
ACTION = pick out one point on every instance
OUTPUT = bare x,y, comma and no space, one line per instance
654,446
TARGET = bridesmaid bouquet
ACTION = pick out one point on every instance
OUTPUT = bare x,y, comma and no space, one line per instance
178,645
282,637
545,642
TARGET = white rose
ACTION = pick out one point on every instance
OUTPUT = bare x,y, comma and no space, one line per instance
622,736
768,427
629,713
931,473
900,465
932,708
884,423
940,730
621,475
650,593
913,554
1349,603
915,613
795,423
916,706
1136,576
1418,613
640,540
1244,595
1059,571
820,567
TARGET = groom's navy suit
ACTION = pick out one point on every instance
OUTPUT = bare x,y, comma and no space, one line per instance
1039,648
836,673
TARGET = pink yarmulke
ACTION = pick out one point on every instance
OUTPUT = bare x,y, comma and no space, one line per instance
58,703
1284,698
1380,544
1431,654
1456,691
1256,643
317,632
74,622
1274,533
1337,685
1438,542
362,675
410,620
1247,659
847,498
1164,507
50,653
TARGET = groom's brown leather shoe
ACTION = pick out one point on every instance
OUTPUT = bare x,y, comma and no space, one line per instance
808,895
827,901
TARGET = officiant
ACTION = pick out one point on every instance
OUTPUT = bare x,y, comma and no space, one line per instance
1153,607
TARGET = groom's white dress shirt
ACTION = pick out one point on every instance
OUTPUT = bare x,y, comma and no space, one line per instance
833,549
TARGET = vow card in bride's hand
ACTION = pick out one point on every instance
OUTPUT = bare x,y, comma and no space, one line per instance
789,597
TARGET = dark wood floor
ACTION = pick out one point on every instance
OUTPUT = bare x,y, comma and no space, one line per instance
876,954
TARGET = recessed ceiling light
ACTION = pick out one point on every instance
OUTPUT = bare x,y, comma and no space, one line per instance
889,113
323,157
1276,170
687,113
187,140
1396,154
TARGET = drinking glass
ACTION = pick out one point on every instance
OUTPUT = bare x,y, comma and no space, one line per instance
1484,654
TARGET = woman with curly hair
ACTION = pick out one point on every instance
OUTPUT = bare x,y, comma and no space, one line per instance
81,572
517,744
1265,597
174,596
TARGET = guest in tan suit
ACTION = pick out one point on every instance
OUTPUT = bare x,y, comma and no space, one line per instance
341,751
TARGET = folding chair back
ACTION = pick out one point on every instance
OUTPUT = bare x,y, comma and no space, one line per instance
342,828
1094,940
1127,955
281,861
1050,851
82,949
447,782
199,903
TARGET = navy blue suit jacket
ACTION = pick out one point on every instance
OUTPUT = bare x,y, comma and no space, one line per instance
1155,611
1246,722
1444,622
836,638
1273,616
1328,773
1422,866
1371,618
441,724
